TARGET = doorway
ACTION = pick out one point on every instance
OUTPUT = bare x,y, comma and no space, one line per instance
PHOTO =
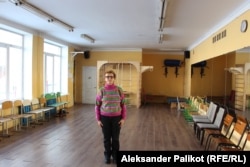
89,84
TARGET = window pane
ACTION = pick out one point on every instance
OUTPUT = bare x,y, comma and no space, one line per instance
10,38
49,74
12,56
54,55
57,74
53,49
3,73
15,73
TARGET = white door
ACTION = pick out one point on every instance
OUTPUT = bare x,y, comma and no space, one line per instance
89,84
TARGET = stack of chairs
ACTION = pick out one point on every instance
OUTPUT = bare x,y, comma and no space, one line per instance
21,113
18,114
234,140
244,147
215,125
195,106
190,108
225,130
12,112
208,118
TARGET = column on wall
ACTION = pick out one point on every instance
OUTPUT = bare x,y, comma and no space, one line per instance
187,78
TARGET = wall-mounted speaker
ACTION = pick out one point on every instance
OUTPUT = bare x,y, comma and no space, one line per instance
187,54
86,54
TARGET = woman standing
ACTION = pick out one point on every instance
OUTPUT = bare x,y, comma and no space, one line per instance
110,112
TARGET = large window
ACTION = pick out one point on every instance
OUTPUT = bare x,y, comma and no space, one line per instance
16,65
11,65
54,65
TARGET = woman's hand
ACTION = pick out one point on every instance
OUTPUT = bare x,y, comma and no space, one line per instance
121,122
99,123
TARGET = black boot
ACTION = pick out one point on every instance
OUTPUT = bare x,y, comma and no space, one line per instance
114,155
106,158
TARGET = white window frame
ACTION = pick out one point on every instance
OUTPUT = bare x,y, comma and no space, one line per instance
63,83
25,62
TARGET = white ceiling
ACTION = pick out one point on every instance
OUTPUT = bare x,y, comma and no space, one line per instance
126,24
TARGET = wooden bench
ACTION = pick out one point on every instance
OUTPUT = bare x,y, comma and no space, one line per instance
173,101
149,98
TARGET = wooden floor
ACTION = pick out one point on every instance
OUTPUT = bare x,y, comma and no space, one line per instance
76,140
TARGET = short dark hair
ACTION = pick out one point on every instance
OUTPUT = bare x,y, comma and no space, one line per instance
111,72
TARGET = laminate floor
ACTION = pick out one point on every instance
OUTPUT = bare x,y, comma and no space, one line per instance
76,140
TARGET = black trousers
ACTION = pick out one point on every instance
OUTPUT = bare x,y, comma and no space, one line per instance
111,132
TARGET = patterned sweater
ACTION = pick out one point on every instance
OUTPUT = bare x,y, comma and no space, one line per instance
110,102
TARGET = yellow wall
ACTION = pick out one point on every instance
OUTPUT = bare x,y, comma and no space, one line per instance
216,81
156,82
233,41
242,57
211,84
95,56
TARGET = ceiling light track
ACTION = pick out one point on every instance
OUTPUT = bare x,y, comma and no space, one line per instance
37,11
163,14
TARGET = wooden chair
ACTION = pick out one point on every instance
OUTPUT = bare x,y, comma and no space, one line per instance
193,106
64,101
24,118
180,105
46,110
38,110
207,110
245,147
8,105
27,109
224,131
188,109
203,108
6,111
235,137
216,125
